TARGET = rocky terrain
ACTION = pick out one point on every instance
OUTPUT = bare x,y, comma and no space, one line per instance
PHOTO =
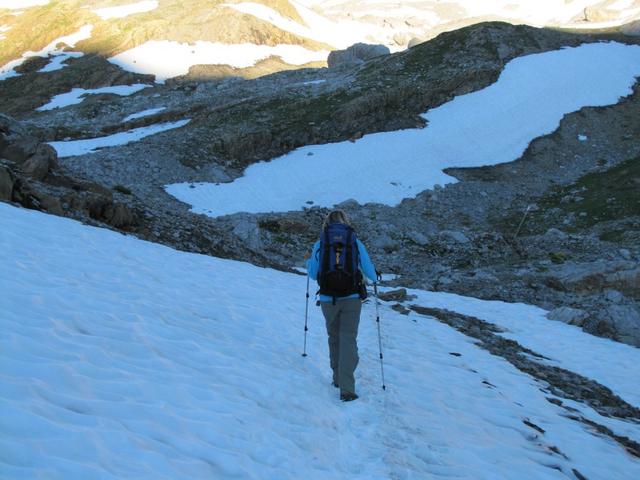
559,227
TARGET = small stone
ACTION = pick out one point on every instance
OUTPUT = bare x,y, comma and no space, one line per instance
555,233
455,236
418,238
399,295
614,296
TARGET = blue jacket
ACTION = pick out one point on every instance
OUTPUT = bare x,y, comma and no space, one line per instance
366,267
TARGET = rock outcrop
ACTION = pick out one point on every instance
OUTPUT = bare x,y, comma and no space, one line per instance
30,176
356,54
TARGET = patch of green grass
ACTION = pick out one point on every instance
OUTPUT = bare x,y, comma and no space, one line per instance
558,257
122,189
595,198
602,196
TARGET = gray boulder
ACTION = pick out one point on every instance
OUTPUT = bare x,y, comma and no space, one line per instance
596,277
43,160
418,238
571,316
356,54
453,236
246,228
631,29
415,41
19,149
620,322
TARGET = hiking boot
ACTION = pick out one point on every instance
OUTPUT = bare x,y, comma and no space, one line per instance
348,396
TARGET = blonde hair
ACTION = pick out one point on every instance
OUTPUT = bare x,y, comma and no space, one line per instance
336,216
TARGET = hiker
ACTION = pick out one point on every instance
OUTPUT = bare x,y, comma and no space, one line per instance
337,262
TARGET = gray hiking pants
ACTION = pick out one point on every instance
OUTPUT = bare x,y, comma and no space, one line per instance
342,321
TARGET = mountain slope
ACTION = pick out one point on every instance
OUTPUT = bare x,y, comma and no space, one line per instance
122,358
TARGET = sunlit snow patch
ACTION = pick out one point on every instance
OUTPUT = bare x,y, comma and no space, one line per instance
91,145
18,4
53,50
340,33
77,95
167,59
126,10
487,127
143,113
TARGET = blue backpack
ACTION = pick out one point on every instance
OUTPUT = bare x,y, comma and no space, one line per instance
339,275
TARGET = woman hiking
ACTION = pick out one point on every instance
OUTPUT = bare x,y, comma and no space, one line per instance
337,262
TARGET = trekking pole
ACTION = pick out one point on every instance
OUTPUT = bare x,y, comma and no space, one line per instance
375,290
306,315
522,221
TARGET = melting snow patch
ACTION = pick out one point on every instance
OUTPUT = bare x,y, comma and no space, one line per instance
126,10
166,59
143,113
472,130
313,82
8,70
91,145
77,95
57,62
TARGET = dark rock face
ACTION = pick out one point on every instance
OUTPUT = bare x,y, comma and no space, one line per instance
6,184
35,159
29,176
43,160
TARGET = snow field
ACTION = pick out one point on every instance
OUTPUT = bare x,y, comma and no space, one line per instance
125,10
121,358
167,59
533,93
77,95
72,148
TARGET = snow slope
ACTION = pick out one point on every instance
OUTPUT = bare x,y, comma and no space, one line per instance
125,359
533,92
